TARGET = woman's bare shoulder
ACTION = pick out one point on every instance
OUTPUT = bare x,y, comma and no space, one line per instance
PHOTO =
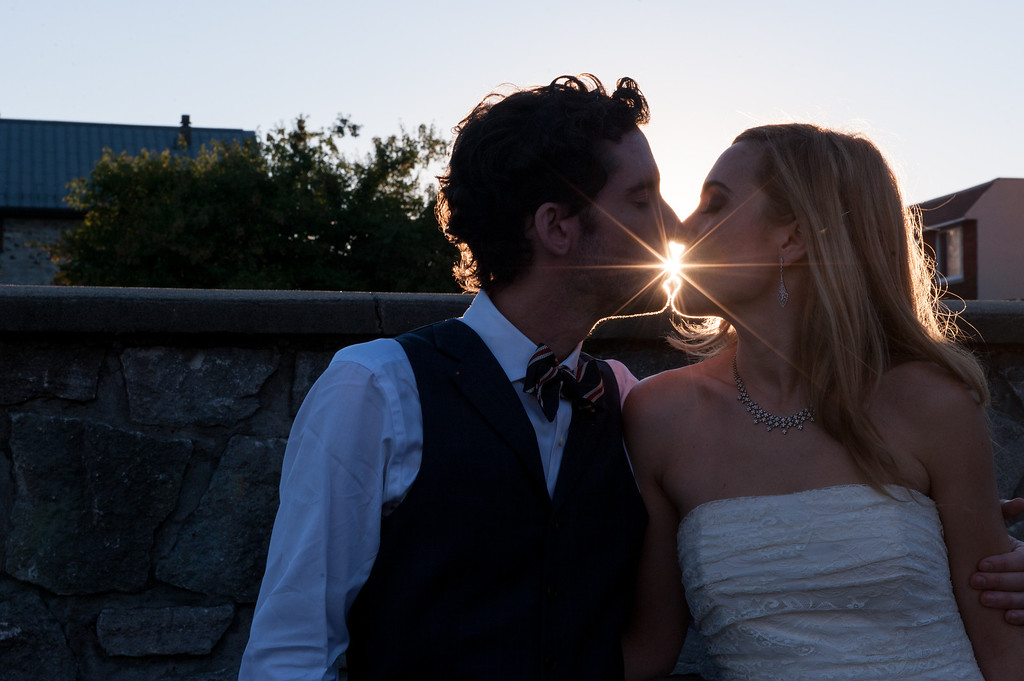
668,389
671,405
926,389
927,412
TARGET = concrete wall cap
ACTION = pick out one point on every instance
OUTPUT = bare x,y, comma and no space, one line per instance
104,310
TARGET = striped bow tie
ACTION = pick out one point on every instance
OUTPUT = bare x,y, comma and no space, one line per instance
545,379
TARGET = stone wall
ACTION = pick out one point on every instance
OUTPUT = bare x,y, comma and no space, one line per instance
141,437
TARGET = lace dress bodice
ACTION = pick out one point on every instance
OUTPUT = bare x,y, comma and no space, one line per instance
841,583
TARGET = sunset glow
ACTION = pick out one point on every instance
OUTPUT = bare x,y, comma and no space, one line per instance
672,272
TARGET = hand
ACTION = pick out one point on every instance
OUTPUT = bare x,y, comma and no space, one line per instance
1001,578
1012,508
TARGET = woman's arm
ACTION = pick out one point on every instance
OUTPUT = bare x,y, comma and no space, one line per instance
957,453
660,618
1001,578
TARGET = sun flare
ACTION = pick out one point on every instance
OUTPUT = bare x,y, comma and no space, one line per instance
668,269
672,269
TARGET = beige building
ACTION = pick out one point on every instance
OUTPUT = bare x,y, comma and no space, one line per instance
978,238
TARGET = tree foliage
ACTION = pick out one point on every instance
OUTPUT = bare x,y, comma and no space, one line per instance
289,212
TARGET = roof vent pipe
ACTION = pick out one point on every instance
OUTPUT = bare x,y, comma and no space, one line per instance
186,130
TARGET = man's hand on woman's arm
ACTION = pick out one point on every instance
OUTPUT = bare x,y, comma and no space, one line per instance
1001,578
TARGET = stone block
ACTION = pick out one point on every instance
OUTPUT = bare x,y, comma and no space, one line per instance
221,549
31,371
308,367
195,387
88,500
6,488
1017,530
1008,449
32,645
180,630
1015,378
642,359
214,675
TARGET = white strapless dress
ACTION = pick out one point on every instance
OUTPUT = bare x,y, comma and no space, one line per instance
840,583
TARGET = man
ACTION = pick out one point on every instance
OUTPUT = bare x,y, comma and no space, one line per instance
446,512
435,521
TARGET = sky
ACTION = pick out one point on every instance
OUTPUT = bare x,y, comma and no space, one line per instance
936,84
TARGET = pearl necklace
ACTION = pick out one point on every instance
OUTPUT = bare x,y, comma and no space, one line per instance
797,420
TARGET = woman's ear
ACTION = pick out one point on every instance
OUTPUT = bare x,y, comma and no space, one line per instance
555,230
792,247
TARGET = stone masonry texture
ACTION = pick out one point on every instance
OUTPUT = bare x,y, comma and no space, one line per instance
141,440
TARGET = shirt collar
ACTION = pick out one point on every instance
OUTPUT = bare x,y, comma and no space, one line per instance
508,344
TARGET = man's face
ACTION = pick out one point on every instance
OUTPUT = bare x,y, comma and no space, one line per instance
626,230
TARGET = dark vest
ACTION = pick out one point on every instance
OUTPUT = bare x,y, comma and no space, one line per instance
480,574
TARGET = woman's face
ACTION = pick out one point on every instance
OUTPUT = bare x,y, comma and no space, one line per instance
732,256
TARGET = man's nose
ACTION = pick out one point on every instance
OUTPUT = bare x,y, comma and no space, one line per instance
673,225
677,232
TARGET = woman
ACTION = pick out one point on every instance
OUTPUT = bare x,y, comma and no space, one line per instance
831,436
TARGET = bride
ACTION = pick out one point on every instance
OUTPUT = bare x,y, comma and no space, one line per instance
832,467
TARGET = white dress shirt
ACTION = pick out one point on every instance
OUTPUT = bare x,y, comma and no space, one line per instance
354,450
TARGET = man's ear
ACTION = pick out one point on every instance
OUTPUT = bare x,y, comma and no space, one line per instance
555,230
792,247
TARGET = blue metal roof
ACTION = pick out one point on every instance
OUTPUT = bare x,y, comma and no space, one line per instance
39,158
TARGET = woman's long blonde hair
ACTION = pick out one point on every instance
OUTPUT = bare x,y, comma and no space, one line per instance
872,302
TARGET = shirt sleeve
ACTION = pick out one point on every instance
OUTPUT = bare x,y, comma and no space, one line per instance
348,456
624,377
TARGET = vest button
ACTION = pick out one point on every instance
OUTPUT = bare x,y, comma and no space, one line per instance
550,662
551,591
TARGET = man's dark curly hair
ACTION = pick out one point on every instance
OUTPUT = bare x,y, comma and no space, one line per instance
513,153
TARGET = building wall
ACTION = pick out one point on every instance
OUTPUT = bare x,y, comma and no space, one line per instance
141,439
966,287
22,258
1000,218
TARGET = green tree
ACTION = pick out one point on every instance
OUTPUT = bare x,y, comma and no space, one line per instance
289,212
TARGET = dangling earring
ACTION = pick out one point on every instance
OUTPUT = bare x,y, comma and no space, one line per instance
783,293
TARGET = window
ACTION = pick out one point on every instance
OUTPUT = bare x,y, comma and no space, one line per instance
949,253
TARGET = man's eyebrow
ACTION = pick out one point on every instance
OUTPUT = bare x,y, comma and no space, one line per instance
644,184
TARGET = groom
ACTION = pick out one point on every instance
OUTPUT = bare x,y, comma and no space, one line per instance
446,511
